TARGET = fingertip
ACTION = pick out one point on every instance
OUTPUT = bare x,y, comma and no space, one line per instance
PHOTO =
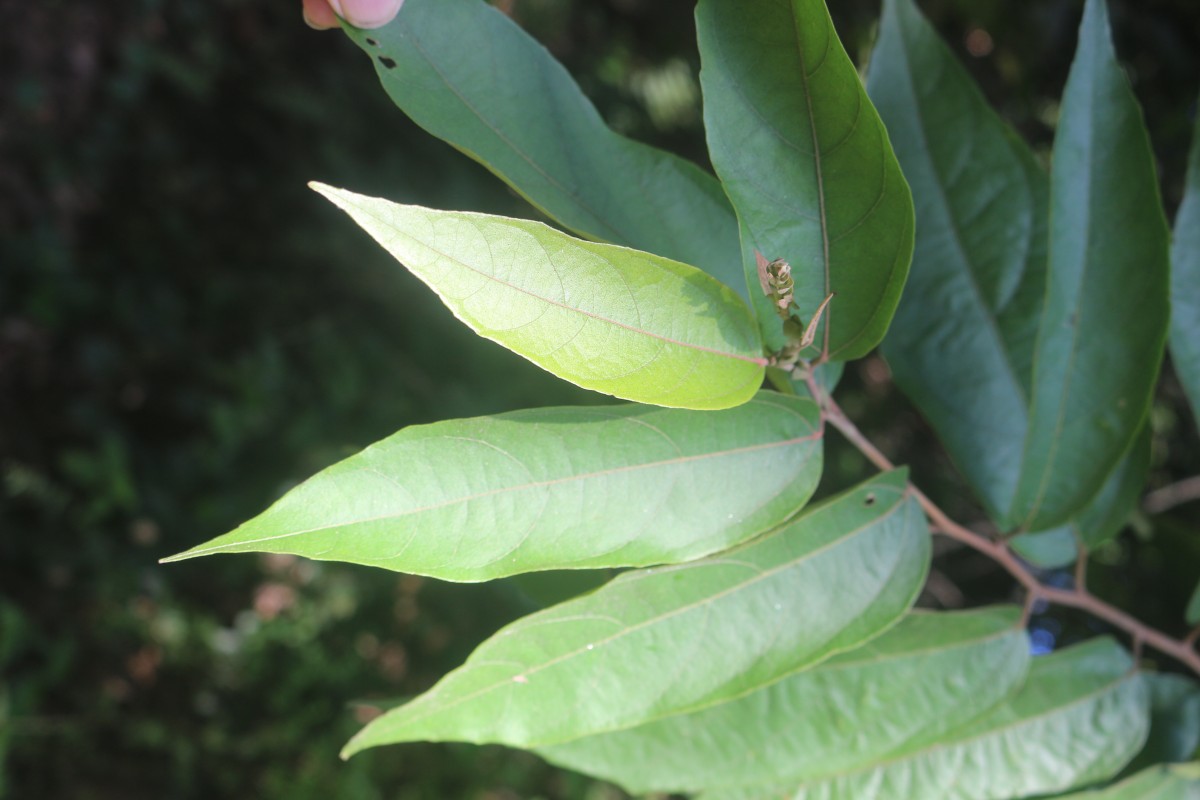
319,16
367,13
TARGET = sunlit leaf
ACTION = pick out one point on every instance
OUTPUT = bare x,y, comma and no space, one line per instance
610,486
806,161
923,678
664,641
467,74
1081,714
607,318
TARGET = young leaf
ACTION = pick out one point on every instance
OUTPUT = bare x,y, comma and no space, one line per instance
961,345
664,641
467,74
1104,322
807,163
630,324
926,676
551,488
1079,717
1162,782
1185,283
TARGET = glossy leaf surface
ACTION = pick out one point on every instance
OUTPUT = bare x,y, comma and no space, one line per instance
1185,283
664,641
610,486
961,345
926,676
806,161
467,74
1079,717
606,318
1104,322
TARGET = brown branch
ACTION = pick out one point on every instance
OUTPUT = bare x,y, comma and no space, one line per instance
1183,650
1175,494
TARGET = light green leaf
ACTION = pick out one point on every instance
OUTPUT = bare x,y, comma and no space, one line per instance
807,163
611,486
664,641
1162,782
926,676
1104,322
1079,717
961,345
630,324
1185,283
1050,549
467,74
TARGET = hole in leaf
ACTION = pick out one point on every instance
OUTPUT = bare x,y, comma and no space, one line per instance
390,63
870,500
372,42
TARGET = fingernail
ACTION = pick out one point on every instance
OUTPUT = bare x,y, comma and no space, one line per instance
367,13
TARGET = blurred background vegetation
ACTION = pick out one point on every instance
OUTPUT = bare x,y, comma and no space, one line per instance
186,331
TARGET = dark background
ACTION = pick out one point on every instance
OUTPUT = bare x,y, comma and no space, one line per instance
186,331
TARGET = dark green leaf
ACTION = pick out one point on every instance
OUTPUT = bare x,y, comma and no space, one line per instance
807,164
467,74
607,318
1080,716
664,641
1185,283
1103,326
928,675
1174,721
961,345
611,486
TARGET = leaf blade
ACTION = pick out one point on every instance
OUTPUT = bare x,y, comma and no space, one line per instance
549,142
804,158
1185,282
681,638
929,674
630,324
1104,321
555,488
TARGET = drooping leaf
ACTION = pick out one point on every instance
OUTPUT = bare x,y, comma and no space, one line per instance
925,677
1174,722
1162,782
1100,520
1079,717
611,486
807,163
467,74
1104,322
1185,283
607,318
664,641
961,345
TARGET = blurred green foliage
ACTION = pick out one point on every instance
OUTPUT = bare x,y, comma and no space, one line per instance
186,331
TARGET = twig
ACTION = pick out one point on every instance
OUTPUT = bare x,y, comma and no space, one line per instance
1172,495
1183,650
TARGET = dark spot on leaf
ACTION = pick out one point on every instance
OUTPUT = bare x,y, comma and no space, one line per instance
870,501
372,42
390,63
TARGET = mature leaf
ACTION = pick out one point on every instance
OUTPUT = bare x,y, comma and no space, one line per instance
1100,520
961,345
925,677
467,74
611,486
1192,615
631,324
1185,283
1103,326
1174,722
1162,782
664,641
807,163
1079,717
